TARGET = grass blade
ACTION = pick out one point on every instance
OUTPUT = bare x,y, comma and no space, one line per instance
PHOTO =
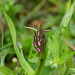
65,57
66,19
21,59
6,71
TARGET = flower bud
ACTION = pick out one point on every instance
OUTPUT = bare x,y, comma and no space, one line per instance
39,40
19,44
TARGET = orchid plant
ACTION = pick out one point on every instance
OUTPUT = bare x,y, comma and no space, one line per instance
52,59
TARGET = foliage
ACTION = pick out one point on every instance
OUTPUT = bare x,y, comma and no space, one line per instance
50,15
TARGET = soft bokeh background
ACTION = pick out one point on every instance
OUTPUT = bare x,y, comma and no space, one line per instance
31,13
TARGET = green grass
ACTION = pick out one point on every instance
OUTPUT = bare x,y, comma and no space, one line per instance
58,59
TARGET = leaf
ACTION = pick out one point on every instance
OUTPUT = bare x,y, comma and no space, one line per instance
47,70
64,57
72,70
33,60
21,59
50,46
48,62
1,73
72,30
5,52
54,46
66,19
6,71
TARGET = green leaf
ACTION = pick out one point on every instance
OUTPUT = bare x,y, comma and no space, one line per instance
33,60
54,46
6,71
66,19
65,57
72,30
47,70
5,52
50,46
21,59
1,73
72,70
48,62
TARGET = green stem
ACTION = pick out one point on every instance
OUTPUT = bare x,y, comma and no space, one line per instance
21,51
59,69
41,63
30,51
2,59
35,54
64,68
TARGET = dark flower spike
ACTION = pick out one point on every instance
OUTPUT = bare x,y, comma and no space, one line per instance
39,40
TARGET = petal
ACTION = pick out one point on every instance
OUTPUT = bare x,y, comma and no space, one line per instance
38,49
39,43
34,44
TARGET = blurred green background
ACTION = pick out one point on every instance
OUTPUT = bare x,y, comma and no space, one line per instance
31,13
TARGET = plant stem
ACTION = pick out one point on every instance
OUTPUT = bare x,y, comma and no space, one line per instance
59,70
21,51
2,59
30,51
41,63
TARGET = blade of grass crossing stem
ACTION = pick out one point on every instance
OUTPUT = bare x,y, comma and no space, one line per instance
21,59
6,71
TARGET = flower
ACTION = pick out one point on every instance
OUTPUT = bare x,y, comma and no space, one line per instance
19,44
39,40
